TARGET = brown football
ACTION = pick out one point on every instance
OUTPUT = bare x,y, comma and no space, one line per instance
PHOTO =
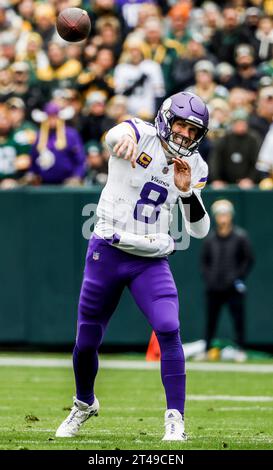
73,24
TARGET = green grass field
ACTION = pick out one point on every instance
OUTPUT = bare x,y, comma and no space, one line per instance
36,399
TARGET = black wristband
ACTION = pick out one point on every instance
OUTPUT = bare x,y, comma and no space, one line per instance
194,211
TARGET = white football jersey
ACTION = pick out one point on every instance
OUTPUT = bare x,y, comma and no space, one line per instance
136,203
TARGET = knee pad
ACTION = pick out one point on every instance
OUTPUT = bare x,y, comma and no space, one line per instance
89,337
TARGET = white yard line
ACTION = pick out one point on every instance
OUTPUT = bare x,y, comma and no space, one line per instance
230,398
137,364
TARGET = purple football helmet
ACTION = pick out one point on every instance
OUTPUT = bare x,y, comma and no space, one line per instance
192,110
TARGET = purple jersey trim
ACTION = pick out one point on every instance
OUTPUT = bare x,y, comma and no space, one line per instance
135,129
203,179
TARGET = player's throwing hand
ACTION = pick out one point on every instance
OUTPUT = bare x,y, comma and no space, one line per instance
126,148
182,174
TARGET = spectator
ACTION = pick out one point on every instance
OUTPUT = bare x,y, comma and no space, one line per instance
11,168
145,12
205,86
97,166
182,73
226,38
9,21
263,39
98,75
219,118
212,20
32,95
23,132
8,45
26,9
44,22
95,122
69,98
34,55
234,156
161,50
246,75
141,81
225,262
106,8
131,9
60,72
224,74
117,108
179,16
58,155
265,161
261,119
108,35
239,99
251,19
6,84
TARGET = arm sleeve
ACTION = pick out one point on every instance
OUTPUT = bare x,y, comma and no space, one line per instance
196,218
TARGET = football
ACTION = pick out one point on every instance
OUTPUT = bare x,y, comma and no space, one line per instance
73,24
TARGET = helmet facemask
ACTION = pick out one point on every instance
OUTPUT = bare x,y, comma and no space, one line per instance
178,144
189,108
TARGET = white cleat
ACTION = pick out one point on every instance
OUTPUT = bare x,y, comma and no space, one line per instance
79,414
174,426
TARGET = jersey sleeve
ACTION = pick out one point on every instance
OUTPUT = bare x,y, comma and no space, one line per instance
201,175
128,127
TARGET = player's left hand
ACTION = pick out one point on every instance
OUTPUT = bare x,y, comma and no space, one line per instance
182,174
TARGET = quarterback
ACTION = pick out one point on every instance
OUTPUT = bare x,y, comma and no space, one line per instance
151,168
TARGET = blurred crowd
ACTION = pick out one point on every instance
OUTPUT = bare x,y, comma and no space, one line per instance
58,99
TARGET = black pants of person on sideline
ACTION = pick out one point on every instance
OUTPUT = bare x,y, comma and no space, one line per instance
236,303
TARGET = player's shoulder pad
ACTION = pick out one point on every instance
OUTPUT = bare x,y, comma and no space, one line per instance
201,171
141,128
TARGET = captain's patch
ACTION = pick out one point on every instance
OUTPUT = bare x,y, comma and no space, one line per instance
144,160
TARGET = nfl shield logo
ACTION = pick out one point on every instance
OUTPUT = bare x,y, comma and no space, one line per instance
165,170
96,255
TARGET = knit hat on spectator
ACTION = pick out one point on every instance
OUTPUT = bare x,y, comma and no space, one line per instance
265,81
8,38
16,102
4,63
266,92
253,11
204,66
93,147
244,50
4,4
52,109
223,206
181,10
20,67
224,69
95,97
